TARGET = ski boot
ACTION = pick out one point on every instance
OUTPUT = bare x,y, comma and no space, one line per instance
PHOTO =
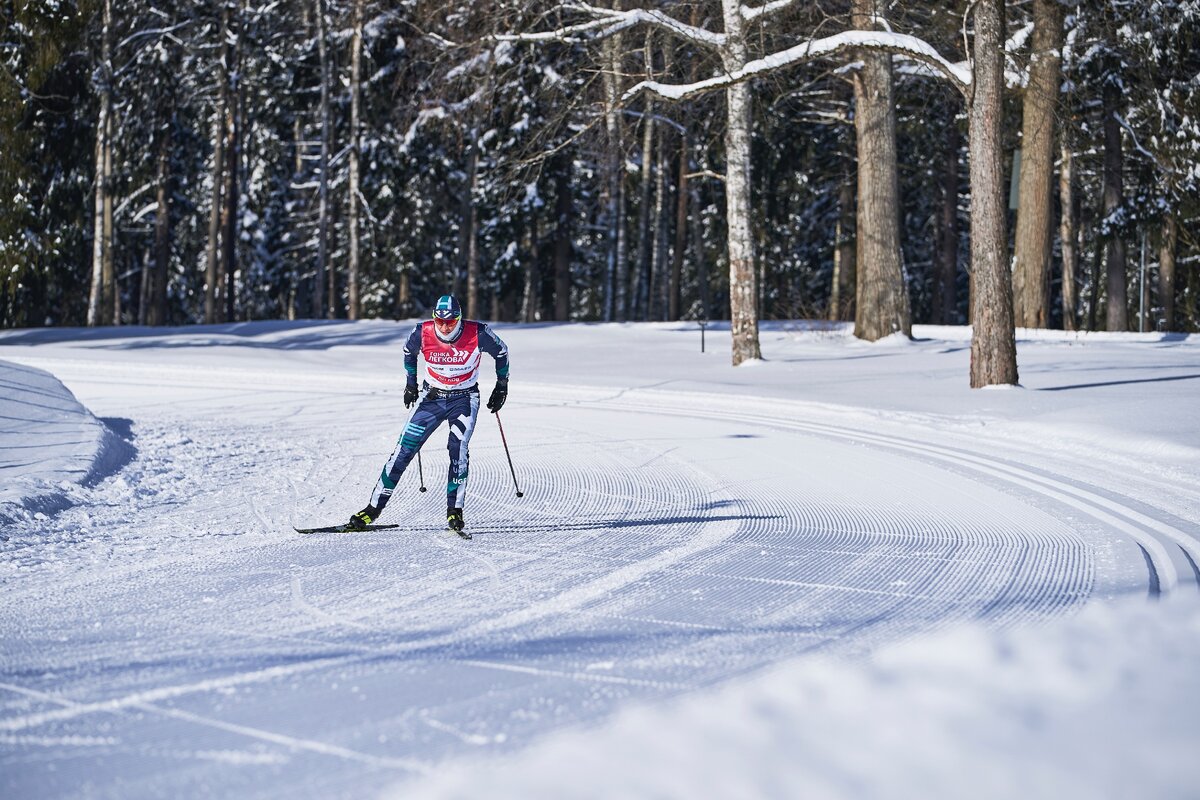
362,519
454,521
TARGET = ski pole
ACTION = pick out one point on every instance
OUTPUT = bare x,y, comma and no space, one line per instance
509,457
420,470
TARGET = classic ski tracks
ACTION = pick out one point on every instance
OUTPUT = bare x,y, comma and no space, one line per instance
1172,555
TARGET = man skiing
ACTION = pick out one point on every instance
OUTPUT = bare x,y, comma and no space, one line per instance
450,347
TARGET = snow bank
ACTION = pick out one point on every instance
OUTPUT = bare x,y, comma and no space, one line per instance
49,444
1072,709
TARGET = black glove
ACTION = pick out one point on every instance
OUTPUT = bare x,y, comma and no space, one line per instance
410,394
499,395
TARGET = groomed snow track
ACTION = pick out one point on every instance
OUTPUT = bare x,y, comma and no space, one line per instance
665,542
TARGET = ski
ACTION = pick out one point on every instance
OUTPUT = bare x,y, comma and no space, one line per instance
464,534
344,529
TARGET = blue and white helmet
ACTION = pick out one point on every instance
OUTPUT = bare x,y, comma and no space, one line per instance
447,309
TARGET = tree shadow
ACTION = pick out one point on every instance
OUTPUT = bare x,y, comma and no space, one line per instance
1117,383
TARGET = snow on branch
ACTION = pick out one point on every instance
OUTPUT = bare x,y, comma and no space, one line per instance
751,13
608,22
897,43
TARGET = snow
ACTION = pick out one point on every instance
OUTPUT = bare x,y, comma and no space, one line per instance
841,573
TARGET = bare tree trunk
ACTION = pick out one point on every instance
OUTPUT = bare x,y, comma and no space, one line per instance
614,279
945,302
681,229
1093,315
353,188
743,281
1031,267
882,298
212,257
472,228
993,340
100,296
563,212
324,270
1166,271
233,147
156,296
1117,314
703,279
658,272
845,277
1068,234
639,307
531,292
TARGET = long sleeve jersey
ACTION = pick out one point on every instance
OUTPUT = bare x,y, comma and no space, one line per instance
454,364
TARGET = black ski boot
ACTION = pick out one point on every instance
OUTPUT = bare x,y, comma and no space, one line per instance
454,521
362,519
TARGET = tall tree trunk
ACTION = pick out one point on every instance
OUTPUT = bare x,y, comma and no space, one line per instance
471,228
993,340
325,271
1031,267
699,260
531,299
945,302
743,281
156,312
681,230
212,264
658,271
1117,306
615,267
1166,271
640,304
353,188
1068,234
563,213
1093,315
233,147
882,298
845,277
100,296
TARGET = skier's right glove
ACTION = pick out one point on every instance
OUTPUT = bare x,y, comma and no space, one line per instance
499,395
410,394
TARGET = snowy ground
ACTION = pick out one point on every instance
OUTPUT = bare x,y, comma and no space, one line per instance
838,572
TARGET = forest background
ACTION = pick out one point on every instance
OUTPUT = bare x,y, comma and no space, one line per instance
1009,164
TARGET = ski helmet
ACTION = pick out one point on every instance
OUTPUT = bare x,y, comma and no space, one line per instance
447,308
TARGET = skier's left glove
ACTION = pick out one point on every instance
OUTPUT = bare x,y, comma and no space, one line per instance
410,394
499,395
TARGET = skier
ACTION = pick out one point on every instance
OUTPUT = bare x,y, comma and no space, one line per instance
450,346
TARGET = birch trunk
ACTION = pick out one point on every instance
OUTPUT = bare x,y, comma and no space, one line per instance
353,188
659,281
614,279
641,265
1117,306
743,288
319,307
882,298
993,340
99,302
231,194
1031,262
